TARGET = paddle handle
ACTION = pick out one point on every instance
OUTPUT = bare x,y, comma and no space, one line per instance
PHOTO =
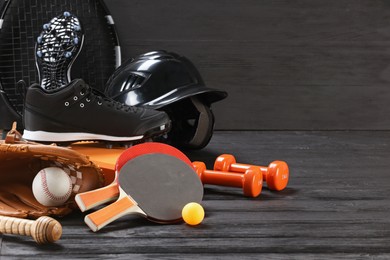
94,198
43,230
102,217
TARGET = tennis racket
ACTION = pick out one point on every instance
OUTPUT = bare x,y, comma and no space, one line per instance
21,23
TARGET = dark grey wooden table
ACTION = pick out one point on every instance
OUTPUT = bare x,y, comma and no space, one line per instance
336,206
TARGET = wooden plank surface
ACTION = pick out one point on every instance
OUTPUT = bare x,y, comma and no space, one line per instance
336,206
295,65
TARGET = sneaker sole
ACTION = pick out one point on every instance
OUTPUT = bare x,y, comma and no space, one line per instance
57,48
51,137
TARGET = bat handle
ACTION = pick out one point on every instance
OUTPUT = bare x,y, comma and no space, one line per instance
43,230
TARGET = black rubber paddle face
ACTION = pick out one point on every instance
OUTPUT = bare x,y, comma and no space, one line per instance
161,185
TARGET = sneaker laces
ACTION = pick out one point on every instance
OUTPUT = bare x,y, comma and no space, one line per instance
94,94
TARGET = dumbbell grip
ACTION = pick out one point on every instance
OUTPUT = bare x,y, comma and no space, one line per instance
221,178
240,167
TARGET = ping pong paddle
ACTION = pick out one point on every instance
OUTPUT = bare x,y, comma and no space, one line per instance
93,198
156,186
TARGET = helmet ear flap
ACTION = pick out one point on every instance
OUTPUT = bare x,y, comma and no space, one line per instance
192,123
204,126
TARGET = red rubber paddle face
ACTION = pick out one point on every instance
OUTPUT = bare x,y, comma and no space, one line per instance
146,148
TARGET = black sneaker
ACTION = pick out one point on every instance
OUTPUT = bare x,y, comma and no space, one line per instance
78,113
56,49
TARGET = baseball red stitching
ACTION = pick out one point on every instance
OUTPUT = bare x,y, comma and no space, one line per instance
48,193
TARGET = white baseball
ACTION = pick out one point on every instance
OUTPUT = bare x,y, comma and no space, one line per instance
52,186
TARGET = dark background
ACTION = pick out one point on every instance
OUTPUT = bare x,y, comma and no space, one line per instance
287,65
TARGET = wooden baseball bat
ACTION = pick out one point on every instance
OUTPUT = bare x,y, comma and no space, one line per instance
43,230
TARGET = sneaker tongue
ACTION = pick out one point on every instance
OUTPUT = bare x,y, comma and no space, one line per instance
77,83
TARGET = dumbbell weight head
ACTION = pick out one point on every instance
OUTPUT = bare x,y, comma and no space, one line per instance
252,182
223,163
277,175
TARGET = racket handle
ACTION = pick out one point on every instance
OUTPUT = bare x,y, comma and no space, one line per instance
43,230
110,213
93,198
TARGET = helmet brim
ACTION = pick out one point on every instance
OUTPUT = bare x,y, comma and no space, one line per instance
205,94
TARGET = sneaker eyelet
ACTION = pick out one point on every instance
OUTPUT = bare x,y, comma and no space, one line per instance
87,99
81,105
66,103
82,93
75,98
99,103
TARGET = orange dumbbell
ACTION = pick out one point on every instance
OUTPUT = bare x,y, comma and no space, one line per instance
275,175
251,181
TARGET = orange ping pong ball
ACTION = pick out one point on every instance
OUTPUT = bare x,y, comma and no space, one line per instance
193,213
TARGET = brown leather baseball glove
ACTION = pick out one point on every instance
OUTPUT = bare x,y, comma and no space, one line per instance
21,160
